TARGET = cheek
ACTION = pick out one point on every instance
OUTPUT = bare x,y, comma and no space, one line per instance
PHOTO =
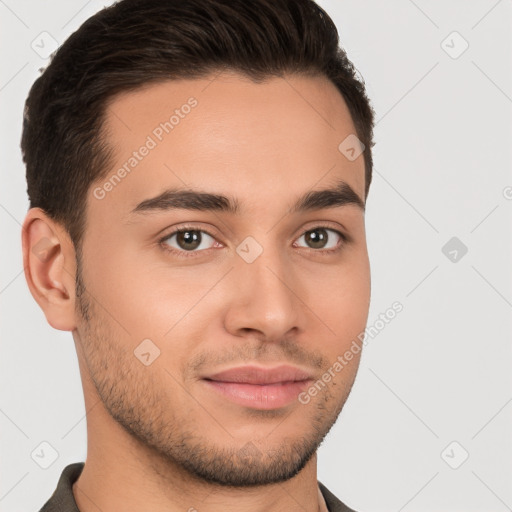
341,298
124,288
147,298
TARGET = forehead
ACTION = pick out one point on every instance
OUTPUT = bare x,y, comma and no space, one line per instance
256,141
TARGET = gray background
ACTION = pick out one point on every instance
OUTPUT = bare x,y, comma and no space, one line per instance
440,371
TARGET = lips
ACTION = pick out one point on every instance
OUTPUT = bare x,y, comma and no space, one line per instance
259,387
260,375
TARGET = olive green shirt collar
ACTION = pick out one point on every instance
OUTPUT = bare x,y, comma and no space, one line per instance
62,499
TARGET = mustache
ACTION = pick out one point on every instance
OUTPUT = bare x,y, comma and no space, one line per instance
286,352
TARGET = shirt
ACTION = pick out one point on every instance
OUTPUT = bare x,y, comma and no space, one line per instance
63,500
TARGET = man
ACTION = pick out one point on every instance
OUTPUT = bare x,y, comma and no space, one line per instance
197,173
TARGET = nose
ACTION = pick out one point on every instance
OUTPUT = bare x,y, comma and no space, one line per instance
265,298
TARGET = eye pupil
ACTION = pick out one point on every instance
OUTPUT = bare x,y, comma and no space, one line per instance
192,237
317,237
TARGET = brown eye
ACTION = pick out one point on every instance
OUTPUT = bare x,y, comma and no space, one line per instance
317,238
188,240
322,238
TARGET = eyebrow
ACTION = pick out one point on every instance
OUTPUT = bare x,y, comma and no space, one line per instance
341,195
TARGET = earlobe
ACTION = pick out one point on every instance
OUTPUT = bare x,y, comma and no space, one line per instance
49,266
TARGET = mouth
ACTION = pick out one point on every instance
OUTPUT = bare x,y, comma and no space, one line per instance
258,387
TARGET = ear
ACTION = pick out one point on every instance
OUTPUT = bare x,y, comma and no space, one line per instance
50,266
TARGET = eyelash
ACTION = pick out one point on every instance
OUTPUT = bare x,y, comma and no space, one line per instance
192,254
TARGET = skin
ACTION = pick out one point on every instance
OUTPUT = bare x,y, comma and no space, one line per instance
158,438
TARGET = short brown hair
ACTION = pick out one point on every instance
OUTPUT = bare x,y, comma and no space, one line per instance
135,42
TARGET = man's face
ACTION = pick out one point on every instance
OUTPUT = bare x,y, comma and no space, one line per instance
264,286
